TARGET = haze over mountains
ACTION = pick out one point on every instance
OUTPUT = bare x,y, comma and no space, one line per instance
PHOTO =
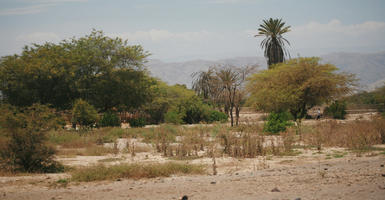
369,68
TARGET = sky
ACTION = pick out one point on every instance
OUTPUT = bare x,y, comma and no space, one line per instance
181,30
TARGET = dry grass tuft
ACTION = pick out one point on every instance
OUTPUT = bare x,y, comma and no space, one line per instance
135,171
356,135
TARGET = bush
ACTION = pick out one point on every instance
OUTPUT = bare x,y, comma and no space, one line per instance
337,110
173,117
216,116
26,149
277,122
137,122
109,119
84,114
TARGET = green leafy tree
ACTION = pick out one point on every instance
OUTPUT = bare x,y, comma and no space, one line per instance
26,149
84,114
274,43
297,85
107,72
166,98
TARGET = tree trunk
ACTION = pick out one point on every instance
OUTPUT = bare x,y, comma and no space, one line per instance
237,110
231,116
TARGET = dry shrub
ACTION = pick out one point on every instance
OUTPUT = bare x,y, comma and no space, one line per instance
247,144
162,138
379,124
288,139
356,135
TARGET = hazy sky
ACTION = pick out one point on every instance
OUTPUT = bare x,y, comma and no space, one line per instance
175,30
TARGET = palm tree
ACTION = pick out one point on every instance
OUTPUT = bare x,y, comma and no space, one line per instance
274,43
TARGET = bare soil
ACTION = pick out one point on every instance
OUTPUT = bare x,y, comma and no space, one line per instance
310,175
334,173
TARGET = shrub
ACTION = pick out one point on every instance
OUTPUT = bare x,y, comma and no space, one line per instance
26,149
109,119
216,116
173,117
84,114
137,122
337,110
277,122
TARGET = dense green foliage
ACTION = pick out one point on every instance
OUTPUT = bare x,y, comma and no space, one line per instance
337,110
110,119
105,72
84,114
297,85
165,99
26,149
173,117
277,122
274,43
137,122
216,116
178,105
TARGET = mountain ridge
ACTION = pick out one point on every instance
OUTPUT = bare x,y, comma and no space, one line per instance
368,67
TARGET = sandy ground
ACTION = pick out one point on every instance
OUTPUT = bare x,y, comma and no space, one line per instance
309,175
306,176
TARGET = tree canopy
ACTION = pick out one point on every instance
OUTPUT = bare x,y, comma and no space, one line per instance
297,85
274,43
107,72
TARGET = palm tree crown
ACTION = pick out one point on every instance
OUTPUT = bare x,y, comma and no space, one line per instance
274,43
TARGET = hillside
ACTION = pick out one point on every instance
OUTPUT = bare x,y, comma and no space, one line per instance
369,68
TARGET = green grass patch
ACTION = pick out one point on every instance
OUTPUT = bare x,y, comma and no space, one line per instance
110,160
135,171
184,157
290,153
338,155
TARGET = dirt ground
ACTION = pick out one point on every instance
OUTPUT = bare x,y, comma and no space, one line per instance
310,175
334,173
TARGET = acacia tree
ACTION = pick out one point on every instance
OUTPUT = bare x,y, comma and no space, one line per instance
274,43
297,85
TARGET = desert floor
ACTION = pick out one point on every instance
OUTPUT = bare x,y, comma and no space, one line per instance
310,175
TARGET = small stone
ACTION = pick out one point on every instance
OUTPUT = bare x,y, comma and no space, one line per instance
325,168
275,190
131,188
237,173
298,198
213,182
185,197
383,175
118,179
381,165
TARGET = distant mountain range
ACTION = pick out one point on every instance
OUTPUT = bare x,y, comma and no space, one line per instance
369,68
